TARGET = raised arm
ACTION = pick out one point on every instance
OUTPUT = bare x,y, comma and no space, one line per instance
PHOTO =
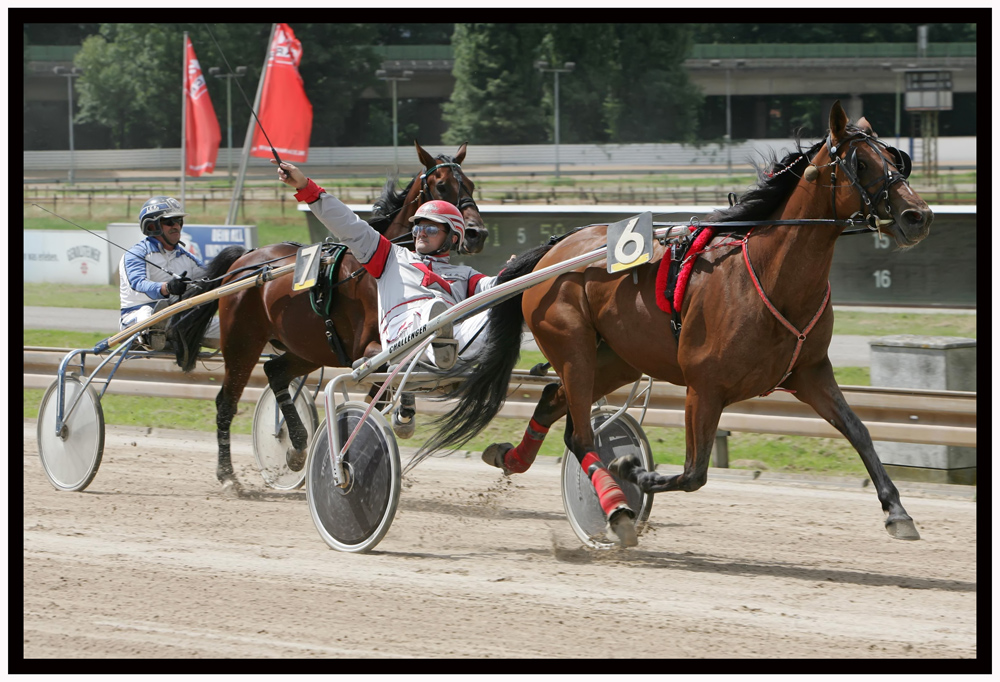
363,240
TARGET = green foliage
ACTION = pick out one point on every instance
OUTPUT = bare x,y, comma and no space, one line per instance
628,84
496,85
653,99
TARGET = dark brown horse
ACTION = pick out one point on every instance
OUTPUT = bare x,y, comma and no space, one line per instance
275,314
602,331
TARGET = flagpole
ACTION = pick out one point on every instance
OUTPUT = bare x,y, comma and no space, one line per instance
238,188
184,96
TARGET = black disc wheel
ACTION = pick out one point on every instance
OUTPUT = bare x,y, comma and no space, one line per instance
356,517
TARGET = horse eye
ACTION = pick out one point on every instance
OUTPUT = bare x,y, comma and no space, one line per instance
861,165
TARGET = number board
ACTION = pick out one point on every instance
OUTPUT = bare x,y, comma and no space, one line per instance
306,267
630,242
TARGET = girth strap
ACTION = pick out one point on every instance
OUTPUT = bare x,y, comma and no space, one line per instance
800,335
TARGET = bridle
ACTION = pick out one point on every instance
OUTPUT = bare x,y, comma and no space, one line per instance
868,199
463,201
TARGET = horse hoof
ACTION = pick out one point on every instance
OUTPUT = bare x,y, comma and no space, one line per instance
231,487
295,459
902,529
494,454
624,467
623,527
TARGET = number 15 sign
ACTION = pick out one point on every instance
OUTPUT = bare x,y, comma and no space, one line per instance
630,242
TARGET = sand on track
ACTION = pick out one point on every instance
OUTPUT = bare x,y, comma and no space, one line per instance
154,561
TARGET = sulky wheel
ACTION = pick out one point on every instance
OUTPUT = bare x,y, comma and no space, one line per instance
355,518
71,458
584,512
270,447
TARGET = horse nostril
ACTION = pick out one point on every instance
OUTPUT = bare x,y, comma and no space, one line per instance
916,218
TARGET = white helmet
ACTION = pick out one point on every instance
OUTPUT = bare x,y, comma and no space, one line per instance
156,208
445,213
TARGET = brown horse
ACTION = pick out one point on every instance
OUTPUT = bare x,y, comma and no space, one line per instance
275,314
745,320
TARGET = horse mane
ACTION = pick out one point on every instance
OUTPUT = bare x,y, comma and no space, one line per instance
389,202
773,186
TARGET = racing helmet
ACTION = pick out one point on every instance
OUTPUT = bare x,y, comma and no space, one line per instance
445,213
156,208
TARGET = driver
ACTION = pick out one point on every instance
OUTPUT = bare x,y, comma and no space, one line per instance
413,287
142,284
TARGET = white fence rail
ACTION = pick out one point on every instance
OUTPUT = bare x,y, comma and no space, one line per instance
951,151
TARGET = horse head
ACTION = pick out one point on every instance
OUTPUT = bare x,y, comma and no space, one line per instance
443,179
878,175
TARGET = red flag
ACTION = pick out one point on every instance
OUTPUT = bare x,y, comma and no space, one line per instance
285,111
202,134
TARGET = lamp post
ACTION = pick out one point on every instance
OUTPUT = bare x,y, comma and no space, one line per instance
729,111
567,67
239,73
394,78
70,74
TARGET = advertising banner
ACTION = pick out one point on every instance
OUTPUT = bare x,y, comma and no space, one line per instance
64,256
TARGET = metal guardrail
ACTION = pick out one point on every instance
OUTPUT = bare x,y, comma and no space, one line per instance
899,415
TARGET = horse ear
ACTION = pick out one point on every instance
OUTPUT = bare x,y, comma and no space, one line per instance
838,122
424,157
460,155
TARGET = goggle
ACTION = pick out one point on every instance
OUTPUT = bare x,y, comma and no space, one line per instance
172,221
430,230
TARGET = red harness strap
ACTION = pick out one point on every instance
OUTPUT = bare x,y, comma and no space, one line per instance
800,335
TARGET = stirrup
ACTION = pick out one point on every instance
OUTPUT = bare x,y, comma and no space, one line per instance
404,417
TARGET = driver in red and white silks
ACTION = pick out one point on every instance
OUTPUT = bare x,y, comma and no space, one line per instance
409,283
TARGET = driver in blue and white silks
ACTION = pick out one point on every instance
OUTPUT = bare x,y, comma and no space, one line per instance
141,284
413,287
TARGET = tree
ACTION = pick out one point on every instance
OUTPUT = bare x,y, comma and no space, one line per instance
495,100
652,98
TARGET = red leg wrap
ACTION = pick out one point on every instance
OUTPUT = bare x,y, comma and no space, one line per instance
609,494
520,458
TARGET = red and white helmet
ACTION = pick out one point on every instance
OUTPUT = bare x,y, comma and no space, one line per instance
445,213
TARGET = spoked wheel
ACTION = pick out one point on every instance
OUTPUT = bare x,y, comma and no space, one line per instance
355,518
71,458
621,437
269,448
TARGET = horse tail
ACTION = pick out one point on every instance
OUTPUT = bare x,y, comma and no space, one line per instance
185,331
484,391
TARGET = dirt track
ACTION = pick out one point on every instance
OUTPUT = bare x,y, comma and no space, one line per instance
153,561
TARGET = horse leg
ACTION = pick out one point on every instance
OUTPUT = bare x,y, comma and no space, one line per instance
280,371
579,382
241,347
702,411
816,387
516,460
611,373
